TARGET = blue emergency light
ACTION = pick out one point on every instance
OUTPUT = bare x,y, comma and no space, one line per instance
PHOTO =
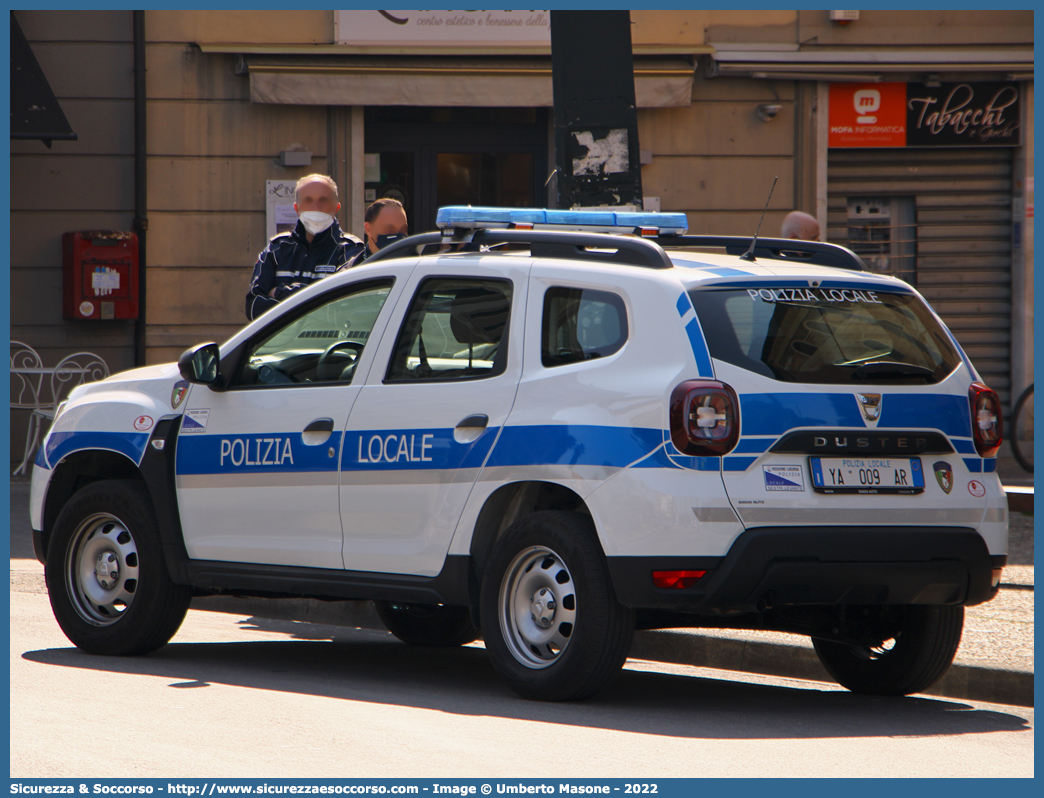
475,217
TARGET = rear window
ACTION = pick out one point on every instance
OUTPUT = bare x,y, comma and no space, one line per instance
826,335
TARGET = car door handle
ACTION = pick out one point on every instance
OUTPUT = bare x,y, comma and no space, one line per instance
318,432
471,428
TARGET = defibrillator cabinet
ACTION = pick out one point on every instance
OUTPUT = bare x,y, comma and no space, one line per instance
100,275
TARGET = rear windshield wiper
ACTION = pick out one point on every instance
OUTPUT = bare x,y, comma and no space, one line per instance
887,368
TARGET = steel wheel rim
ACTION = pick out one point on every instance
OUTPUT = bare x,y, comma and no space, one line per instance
537,607
101,569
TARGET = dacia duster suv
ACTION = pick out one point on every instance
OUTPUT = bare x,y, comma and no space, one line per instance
535,426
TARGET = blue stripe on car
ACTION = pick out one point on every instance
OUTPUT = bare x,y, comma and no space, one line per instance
974,464
699,348
951,414
697,463
270,452
753,445
738,463
398,450
777,413
696,339
574,444
62,444
657,459
684,305
723,271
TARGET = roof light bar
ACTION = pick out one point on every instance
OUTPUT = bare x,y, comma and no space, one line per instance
470,217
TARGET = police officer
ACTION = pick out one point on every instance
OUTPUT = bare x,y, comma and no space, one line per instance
315,248
385,222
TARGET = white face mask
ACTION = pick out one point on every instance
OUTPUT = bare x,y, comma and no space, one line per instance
316,221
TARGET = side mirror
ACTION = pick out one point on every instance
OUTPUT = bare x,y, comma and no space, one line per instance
200,364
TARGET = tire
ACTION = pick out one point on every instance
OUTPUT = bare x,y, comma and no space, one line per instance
576,640
430,625
917,656
1021,432
138,610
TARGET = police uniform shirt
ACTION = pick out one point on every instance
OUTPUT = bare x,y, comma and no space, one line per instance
290,263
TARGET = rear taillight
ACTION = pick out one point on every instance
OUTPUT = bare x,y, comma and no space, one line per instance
676,580
704,418
987,422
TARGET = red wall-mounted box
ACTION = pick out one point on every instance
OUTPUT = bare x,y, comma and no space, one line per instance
100,275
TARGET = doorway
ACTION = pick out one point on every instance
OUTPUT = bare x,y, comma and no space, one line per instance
430,157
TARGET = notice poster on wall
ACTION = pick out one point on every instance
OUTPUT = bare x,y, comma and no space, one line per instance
981,114
280,216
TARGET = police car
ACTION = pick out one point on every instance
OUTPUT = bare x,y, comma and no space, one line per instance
556,427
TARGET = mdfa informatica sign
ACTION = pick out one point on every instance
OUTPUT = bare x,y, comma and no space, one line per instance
985,114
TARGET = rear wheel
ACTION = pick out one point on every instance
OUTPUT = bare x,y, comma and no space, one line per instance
552,624
106,575
432,625
922,645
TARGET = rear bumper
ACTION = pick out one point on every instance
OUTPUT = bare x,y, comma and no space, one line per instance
781,566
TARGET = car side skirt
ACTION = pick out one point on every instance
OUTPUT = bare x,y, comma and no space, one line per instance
450,586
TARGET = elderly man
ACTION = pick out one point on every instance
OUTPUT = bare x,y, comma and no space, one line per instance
385,222
799,225
315,248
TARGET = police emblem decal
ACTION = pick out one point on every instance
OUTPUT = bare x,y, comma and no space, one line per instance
869,406
944,475
177,396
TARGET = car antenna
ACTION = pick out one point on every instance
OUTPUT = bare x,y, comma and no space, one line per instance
749,254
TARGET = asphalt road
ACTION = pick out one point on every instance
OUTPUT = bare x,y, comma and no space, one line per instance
234,696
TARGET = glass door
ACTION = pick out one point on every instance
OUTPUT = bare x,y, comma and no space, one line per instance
430,157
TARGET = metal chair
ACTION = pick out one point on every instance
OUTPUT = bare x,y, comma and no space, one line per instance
40,390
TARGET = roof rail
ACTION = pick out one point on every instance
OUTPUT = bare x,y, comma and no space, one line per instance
598,247
778,249
623,249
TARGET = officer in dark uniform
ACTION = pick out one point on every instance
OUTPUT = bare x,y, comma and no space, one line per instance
315,248
385,223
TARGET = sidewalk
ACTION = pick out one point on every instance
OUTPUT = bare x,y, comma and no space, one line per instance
994,662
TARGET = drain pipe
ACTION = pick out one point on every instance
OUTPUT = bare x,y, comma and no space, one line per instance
141,222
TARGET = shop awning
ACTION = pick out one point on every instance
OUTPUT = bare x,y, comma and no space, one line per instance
35,113
659,82
788,62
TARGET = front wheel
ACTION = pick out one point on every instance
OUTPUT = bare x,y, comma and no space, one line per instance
430,625
106,575
551,622
922,645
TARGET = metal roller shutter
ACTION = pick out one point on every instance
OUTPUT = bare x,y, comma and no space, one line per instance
951,216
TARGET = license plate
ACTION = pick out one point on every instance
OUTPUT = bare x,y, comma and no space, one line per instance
867,474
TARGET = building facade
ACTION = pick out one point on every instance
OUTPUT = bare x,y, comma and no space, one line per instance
456,107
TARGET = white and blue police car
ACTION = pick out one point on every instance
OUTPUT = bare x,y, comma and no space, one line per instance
554,427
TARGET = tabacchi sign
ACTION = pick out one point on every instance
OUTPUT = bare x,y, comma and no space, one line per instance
916,115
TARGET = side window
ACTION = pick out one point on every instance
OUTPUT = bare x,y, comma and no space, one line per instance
321,345
455,329
581,324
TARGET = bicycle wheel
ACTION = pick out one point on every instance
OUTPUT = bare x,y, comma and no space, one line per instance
1022,430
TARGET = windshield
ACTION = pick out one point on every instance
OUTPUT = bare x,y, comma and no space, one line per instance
826,335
